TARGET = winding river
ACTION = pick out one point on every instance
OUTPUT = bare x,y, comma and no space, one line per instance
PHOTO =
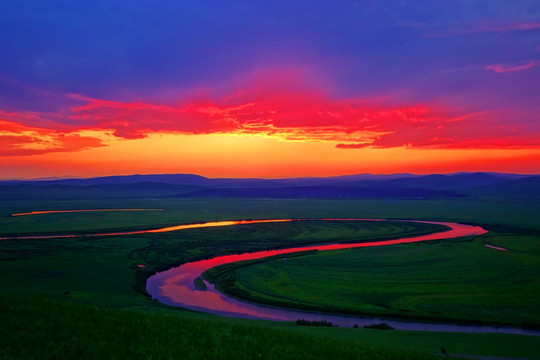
176,287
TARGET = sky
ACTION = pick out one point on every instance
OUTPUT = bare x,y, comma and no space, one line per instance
268,88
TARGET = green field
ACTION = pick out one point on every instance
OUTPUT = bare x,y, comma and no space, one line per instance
458,281
523,215
67,294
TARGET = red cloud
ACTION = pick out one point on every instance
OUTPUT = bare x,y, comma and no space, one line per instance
285,113
297,116
302,115
137,119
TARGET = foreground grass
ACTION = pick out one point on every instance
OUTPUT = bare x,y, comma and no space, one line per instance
45,328
56,330
469,345
457,281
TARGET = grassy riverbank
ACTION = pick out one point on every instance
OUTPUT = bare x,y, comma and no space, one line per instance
461,281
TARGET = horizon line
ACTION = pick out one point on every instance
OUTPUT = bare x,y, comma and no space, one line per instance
74,177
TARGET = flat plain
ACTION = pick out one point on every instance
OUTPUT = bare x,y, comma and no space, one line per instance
95,287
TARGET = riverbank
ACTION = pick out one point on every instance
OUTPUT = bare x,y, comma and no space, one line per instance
408,282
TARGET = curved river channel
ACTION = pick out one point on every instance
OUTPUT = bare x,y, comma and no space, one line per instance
176,286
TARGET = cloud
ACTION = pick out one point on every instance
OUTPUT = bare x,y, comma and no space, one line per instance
304,115
289,116
508,27
499,68
482,28
267,108
18,139
351,146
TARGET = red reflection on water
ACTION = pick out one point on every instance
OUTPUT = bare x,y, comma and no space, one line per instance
176,287
76,211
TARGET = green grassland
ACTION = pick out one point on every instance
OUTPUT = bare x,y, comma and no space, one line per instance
458,281
47,328
76,294
83,266
74,331
485,211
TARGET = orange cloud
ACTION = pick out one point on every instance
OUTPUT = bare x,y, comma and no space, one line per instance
18,139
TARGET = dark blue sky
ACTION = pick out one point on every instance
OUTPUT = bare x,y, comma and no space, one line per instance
411,50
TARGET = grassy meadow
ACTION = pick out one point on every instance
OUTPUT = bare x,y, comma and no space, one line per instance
72,296
460,281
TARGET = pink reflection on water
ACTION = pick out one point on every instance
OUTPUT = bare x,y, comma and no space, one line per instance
176,286
495,247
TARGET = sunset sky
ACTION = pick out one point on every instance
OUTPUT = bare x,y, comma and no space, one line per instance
268,88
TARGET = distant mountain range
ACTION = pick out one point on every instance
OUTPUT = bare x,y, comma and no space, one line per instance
407,186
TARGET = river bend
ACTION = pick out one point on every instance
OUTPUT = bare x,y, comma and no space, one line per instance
176,287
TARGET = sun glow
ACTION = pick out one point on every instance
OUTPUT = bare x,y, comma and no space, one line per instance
248,155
